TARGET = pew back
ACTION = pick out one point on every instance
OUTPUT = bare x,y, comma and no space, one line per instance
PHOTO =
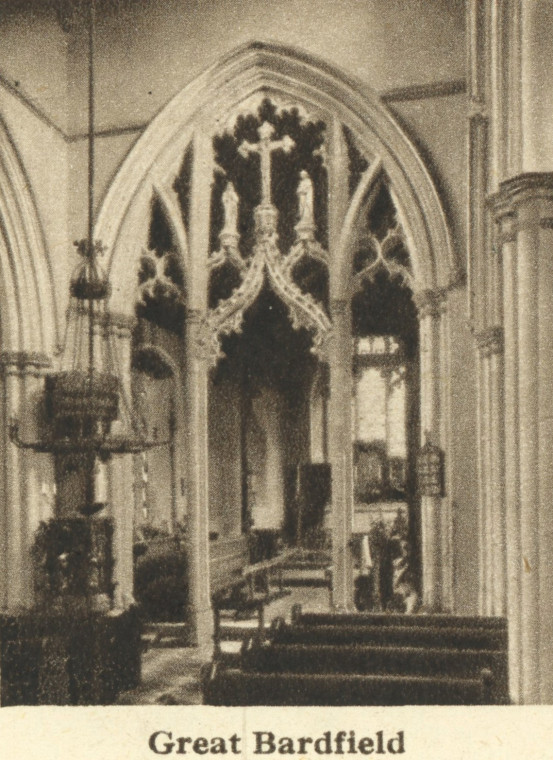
236,688
396,619
227,559
373,660
389,635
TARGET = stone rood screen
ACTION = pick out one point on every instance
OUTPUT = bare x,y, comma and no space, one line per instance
269,222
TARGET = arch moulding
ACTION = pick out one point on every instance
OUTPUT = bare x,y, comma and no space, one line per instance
28,311
261,67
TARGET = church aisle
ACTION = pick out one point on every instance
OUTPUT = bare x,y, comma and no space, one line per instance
171,676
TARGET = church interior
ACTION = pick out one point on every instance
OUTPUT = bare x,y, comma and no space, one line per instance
276,427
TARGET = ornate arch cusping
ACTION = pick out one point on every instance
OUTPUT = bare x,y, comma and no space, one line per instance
267,67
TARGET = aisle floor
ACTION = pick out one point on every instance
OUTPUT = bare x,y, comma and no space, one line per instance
170,676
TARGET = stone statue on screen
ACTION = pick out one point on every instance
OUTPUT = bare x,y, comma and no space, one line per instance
230,206
305,200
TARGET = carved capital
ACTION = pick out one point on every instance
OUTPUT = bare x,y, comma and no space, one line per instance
478,111
510,224
521,190
507,221
305,232
457,278
266,217
229,242
24,362
430,303
490,341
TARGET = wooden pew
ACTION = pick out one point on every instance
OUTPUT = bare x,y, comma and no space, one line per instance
228,557
246,589
389,635
395,619
261,576
237,688
267,657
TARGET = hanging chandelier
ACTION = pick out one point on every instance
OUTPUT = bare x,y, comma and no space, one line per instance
88,412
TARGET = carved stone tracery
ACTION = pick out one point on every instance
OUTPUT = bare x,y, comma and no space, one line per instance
383,258
267,263
156,276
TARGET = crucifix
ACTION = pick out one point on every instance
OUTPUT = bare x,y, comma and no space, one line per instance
265,147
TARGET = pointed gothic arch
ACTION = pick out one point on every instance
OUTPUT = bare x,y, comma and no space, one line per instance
153,161
28,338
28,315
188,123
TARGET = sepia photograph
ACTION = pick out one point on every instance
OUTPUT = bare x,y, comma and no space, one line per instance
276,410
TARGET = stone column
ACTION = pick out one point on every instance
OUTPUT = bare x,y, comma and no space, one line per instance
37,470
535,69
528,325
121,508
446,517
339,423
483,442
497,470
507,245
196,377
341,454
15,559
121,475
430,306
491,438
545,449
196,390
524,210
23,475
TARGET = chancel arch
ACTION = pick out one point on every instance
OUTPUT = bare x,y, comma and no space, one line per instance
274,103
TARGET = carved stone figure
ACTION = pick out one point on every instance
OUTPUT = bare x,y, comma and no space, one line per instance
230,206
305,200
